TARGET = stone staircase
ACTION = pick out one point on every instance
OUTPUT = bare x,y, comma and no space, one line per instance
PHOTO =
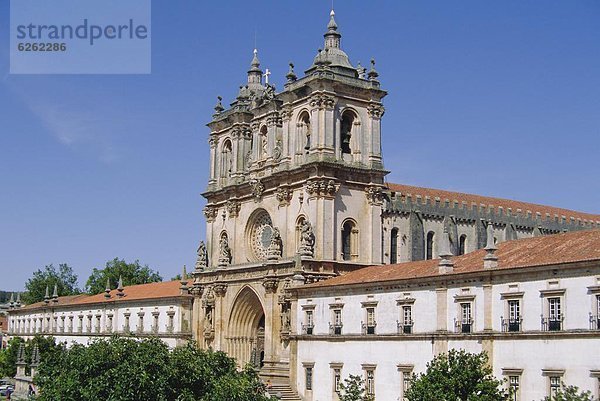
286,392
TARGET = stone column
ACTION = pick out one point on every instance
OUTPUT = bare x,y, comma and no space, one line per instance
220,289
375,110
212,141
272,323
487,308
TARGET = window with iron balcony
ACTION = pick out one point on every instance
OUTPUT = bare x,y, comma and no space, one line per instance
335,325
552,314
464,324
595,313
513,323
308,326
368,327
405,322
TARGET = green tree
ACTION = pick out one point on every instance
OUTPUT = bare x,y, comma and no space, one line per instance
131,273
64,278
47,347
571,393
457,375
8,357
353,389
121,369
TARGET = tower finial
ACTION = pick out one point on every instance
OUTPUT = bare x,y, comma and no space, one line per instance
332,36
255,73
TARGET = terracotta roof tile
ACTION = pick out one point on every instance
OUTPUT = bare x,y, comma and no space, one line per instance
555,249
470,199
166,289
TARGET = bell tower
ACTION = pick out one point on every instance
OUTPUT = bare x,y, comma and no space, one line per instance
295,195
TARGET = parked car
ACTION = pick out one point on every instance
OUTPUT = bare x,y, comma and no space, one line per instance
5,388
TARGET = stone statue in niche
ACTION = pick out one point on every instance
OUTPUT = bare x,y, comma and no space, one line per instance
202,261
224,251
275,248
285,319
307,239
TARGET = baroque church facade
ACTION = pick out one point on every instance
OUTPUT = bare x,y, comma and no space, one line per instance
297,194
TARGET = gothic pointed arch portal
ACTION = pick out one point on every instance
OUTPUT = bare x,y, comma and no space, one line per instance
246,329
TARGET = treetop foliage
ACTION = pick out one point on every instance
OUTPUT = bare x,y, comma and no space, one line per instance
353,389
571,393
64,278
131,274
122,369
457,376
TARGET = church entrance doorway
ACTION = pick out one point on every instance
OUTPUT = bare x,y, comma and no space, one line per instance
246,329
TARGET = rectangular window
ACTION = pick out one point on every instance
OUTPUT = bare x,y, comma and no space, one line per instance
554,314
370,382
308,318
513,382
370,320
597,325
465,308
337,321
309,378
171,321
514,315
554,386
407,319
337,378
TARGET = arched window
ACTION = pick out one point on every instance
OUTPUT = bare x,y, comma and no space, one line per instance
226,159
349,240
346,131
304,132
462,244
429,245
394,246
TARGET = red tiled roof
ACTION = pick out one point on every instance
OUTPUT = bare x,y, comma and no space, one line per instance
404,190
167,289
578,246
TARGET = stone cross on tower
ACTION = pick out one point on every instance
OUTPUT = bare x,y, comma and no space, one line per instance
266,75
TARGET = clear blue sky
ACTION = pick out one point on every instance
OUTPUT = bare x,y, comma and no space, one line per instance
497,98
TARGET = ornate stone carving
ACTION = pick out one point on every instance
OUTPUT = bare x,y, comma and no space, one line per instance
374,195
275,249
286,113
274,120
270,284
209,299
209,331
322,101
236,133
375,110
220,289
210,212
224,252
202,260
284,196
307,240
233,208
197,290
319,188
213,141
257,189
277,151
